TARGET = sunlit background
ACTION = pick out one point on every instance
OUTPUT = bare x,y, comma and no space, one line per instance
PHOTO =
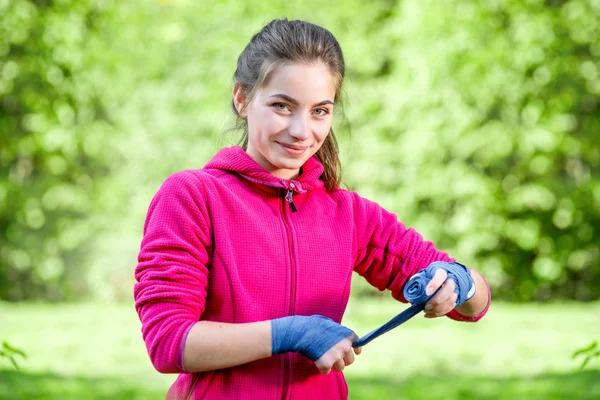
476,122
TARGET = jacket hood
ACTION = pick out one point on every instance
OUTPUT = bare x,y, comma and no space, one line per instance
235,159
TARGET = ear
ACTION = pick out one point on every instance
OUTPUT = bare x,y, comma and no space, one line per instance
239,99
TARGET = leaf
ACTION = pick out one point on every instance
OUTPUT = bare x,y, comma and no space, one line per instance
588,358
584,363
14,350
585,350
13,361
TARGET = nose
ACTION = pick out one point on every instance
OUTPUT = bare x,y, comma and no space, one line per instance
299,127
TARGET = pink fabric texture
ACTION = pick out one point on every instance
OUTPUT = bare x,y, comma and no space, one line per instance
222,244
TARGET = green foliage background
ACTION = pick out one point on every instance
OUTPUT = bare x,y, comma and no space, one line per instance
94,350
477,123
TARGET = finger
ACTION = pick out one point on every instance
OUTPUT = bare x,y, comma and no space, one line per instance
346,344
438,278
357,350
444,308
339,365
324,364
324,370
352,338
349,357
442,296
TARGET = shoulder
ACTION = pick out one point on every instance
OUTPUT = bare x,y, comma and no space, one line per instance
181,181
197,188
190,181
362,208
190,185
352,198
181,199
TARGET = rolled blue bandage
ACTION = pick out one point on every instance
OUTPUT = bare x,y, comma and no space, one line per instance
310,336
414,292
464,286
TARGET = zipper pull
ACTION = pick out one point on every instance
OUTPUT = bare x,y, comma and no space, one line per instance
288,198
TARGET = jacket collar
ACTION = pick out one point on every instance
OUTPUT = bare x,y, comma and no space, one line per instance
235,159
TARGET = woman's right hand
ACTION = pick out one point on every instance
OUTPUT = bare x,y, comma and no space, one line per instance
339,356
322,340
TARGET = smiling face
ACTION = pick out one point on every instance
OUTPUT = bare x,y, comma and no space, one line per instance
289,117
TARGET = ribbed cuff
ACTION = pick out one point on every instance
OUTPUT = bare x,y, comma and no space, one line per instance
182,346
455,315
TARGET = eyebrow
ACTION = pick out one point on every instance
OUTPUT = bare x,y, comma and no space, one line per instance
295,102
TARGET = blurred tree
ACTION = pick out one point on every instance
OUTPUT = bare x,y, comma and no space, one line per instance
476,122
49,156
498,154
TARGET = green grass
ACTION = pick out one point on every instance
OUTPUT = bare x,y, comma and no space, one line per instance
95,351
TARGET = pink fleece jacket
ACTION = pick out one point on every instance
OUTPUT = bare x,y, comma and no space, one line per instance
222,244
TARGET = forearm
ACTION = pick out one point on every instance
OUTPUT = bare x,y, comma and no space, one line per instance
478,302
216,345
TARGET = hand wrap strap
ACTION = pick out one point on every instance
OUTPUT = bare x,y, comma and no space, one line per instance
464,286
310,336
414,292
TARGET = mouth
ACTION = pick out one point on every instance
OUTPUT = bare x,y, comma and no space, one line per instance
293,149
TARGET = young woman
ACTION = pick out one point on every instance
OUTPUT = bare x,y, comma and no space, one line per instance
245,265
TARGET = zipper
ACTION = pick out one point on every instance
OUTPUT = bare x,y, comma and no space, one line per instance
287,371
288,198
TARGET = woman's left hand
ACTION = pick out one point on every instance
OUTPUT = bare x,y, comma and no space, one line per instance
444,301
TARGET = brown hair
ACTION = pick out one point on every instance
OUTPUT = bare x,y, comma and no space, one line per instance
282,42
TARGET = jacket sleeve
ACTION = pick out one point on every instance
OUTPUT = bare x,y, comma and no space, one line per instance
173,268
388,254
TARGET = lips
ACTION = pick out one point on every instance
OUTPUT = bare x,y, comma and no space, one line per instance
293,147
293,150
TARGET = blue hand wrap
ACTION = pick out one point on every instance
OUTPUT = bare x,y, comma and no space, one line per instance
310,336
414,292
464,286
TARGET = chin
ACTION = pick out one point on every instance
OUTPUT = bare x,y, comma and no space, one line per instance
289,164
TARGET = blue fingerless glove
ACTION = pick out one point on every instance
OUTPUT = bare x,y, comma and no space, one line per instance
464,286
310,336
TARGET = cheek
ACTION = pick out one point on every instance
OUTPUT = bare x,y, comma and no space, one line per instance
269,124
321,131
